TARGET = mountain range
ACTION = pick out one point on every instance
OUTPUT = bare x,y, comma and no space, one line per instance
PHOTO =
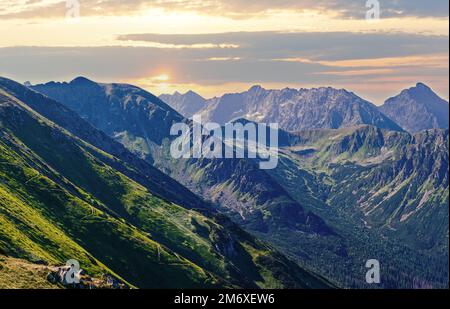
134,133
70,191
413,110
351,184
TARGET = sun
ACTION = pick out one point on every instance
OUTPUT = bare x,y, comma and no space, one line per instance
161,78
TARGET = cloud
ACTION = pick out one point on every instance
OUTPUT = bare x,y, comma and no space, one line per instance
231,8
352,60
317,46
24,9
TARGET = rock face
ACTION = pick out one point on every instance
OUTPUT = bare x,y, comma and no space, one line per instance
418,108
187,104
294,110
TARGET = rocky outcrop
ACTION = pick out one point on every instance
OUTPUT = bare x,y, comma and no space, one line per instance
59,275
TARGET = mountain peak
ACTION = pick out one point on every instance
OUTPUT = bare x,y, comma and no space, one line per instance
417,108
421,93
255,88
420,85
80,80
419,89
194,95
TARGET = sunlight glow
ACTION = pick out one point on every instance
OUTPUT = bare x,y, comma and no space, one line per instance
161,78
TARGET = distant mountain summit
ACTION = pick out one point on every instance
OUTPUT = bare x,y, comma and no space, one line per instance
113,107
295,110
80,80
418,108
187,104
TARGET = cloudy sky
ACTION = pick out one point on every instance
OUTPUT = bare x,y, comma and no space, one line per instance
218,46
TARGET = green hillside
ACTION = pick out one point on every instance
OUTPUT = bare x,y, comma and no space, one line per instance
384,193
61,199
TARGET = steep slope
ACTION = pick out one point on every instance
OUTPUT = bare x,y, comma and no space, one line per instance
187,104
235,187
225,182
247,194
389,189
417,109
49,215
396,181
63,198
294,110
113,107
156,182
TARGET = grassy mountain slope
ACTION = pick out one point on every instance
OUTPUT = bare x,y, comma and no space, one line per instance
384,193
391,178
156,182
237,187
62,198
